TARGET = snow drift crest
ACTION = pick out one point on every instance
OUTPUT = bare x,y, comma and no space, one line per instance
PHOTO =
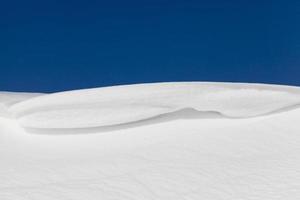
116,105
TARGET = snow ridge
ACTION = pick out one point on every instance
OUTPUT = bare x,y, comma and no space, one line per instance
109,106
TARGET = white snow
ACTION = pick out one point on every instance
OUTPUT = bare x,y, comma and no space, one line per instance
152,141
123,104
7,99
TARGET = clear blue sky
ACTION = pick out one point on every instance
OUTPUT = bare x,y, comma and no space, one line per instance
48,46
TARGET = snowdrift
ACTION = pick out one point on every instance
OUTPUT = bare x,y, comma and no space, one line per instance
124,104
152,141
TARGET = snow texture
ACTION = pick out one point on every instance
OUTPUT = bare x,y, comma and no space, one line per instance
7,99
191,141
123,104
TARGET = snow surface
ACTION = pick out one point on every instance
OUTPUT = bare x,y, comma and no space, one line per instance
7,99
152,141
123,104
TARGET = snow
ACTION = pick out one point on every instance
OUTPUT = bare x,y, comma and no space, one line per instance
152,141
7,99
123,104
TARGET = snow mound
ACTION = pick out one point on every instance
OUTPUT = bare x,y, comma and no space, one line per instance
187,154
116,105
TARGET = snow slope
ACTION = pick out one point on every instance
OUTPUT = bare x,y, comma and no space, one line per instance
153,141
7,99
123,104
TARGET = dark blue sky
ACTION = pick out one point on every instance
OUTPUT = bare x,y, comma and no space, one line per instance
53,45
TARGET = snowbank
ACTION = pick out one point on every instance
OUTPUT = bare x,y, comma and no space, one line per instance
124,104
243,142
